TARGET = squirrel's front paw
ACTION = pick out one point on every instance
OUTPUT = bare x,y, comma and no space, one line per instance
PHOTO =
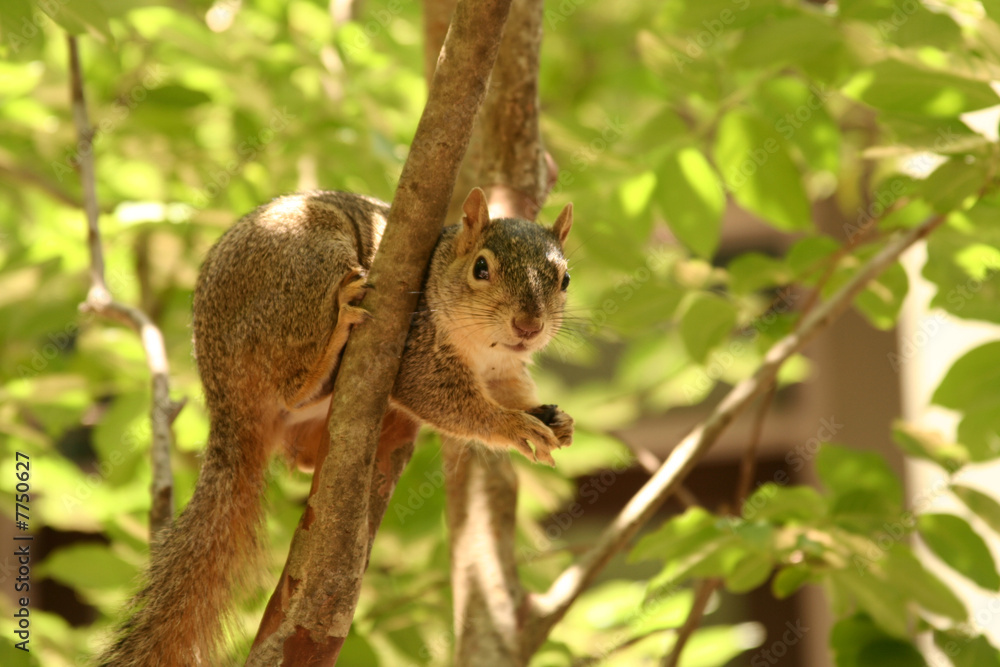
557,420
532,429
353,288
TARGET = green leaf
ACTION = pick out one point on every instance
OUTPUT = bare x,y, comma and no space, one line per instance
890,653
963,262
749,572
772,502
844,470
972,382
798,39
663,129
893,85
902,569
790,579
86,566
982,505
857,642
882,299
807,256
957,544
955,184
757,170
930,446
692,200
850,635
916,26
882,602
357,651
863,511
992,8
635,193
753,271
967,651
16,26
175,97
79,17
979,433
798,113
706,324
678,536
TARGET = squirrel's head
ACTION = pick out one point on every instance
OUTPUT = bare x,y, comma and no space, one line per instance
509,278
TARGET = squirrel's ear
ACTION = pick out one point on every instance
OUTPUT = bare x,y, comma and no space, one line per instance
475,220
562,224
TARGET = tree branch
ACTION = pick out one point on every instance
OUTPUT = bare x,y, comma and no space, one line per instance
99,300
10,172
482,486
708,586
702,595
329,552
548,608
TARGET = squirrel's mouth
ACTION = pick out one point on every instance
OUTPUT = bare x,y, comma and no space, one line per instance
520,347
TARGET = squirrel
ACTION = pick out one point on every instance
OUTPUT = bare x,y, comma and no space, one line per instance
274,304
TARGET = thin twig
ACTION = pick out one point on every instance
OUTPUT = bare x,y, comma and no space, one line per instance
649,462
706,587
749,463
99,300
701,597
591,660
547,608
12,173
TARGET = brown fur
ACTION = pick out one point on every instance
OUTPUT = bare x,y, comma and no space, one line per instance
273,307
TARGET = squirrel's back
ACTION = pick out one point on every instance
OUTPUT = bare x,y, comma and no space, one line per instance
271,276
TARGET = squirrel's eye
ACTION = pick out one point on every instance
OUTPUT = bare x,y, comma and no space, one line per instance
565,282
481,270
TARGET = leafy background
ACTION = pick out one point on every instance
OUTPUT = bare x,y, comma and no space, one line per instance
662,115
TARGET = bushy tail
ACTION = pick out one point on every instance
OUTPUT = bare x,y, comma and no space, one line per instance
178,618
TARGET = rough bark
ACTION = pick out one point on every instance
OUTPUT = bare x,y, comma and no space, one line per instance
482,487
311,612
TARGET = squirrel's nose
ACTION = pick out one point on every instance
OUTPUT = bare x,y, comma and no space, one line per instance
527,327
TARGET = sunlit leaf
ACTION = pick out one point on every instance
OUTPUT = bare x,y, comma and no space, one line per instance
957,544
758,172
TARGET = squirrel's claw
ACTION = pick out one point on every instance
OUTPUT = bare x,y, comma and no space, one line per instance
352,290
557,420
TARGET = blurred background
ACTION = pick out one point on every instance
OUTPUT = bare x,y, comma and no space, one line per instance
730,162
